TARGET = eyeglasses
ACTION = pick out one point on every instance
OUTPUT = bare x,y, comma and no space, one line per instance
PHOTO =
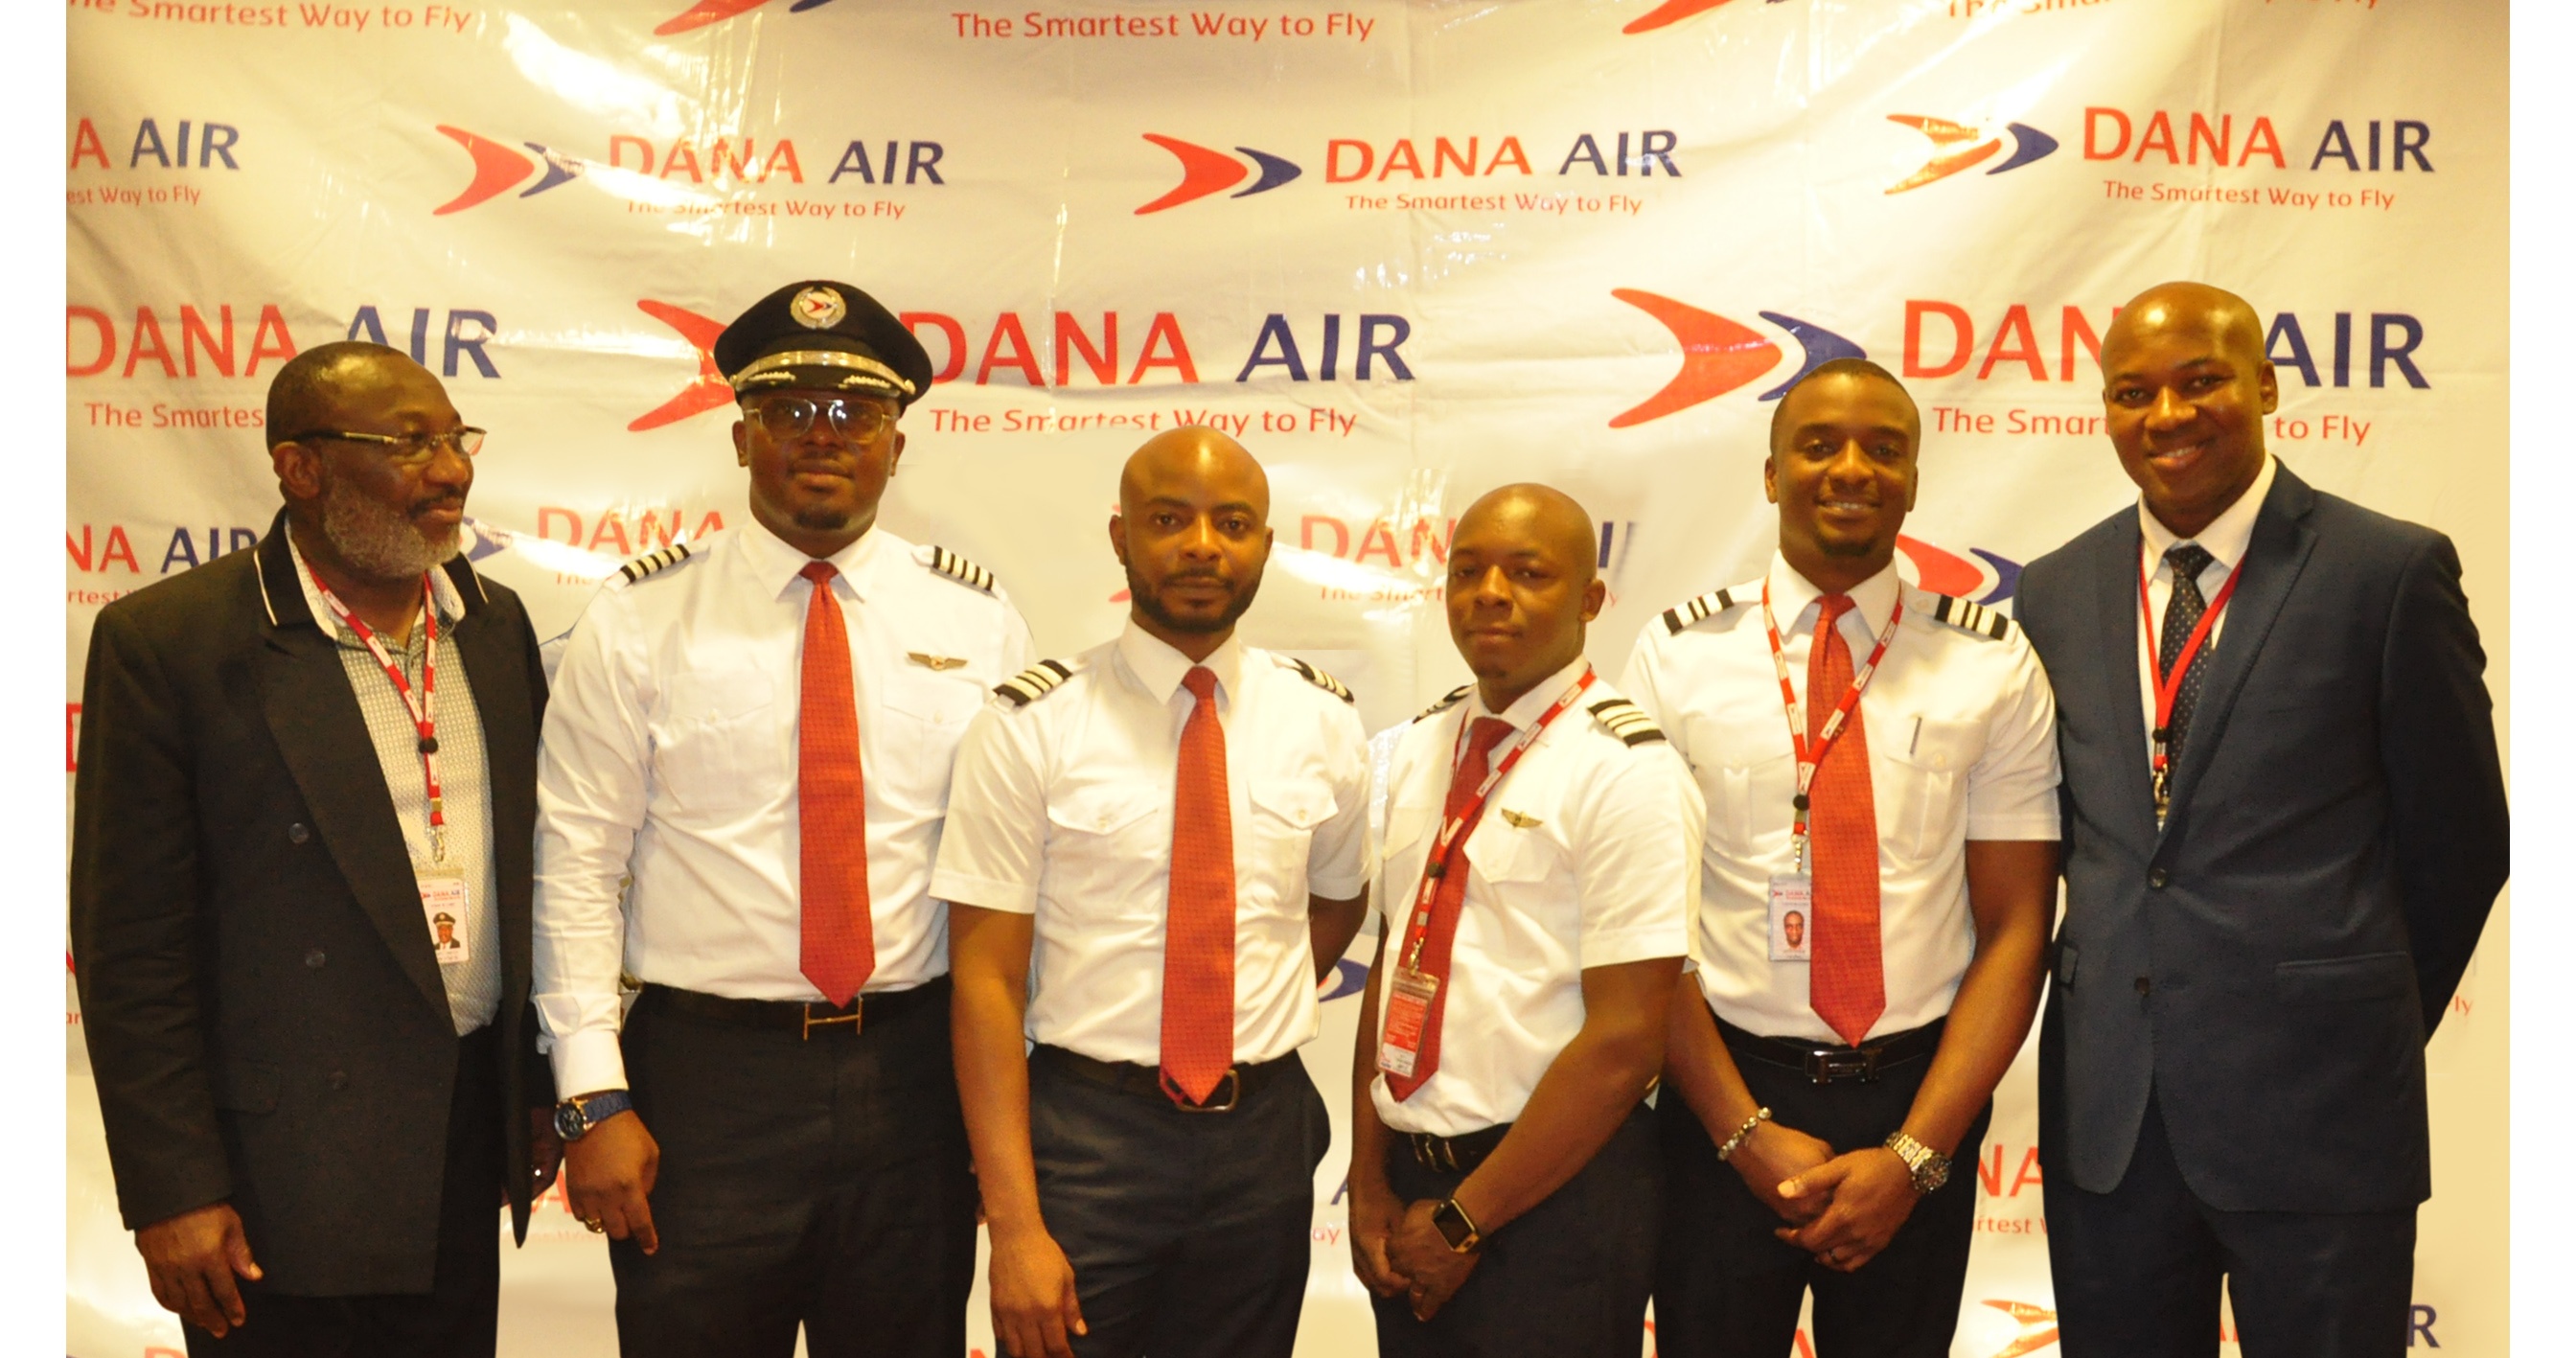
789,417
410,450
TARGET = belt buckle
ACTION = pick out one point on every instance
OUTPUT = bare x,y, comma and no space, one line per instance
1436,1153
1233,1087
1825,1066
858,1005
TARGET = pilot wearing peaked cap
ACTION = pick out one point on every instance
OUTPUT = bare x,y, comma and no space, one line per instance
745,771
822,336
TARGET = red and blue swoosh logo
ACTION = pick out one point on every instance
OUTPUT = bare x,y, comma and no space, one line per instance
1720,354
1205,171
499,168
1957,147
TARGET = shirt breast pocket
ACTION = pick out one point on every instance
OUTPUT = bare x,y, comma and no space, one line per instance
921,720
1517,865
1749,776
717,747
1092,828
1930,758
1285,815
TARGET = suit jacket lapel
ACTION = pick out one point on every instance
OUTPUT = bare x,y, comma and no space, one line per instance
314,717
496,668
2273,559
2115,614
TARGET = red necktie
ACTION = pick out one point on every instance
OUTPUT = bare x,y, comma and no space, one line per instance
1845,984
1447,902
837,945
1198,924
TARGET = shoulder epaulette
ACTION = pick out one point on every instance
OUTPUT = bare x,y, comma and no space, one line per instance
1680,616
645,565
1449,700
1626,720
1972,617
1033,683
957,568
1317,677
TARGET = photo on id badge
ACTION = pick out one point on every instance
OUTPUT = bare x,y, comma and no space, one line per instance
1790,919
443,902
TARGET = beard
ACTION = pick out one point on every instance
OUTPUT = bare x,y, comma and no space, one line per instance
1151,605
377,539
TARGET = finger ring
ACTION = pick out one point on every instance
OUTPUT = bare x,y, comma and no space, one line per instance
592,1225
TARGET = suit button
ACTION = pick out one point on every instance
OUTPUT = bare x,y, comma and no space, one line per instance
314,959
2156,878
296,833
2144,985
339,1079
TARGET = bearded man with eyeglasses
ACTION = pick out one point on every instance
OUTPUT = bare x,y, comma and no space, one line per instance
300,889
744,779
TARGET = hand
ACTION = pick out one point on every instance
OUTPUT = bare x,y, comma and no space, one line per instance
1421,1254
1034,1303
545,1151
1774,1153
1871,1192
192,1258
1376,1214
608,1175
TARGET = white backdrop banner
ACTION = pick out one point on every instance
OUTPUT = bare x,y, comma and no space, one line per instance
1404,252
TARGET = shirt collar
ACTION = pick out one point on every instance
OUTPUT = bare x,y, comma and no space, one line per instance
1794,599
442,591
1160,668
2226,537
777,565
1527,707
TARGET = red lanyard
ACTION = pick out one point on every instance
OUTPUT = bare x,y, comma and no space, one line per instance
1455,828
1809,759
2171,684
423,709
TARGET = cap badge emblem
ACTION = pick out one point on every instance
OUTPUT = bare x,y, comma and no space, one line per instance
817,308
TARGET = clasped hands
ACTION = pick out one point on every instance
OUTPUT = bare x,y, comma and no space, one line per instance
1396,1251
1843,1209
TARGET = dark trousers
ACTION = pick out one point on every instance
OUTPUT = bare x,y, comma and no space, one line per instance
820,1183
2137,1269
1727,1288
1189,1233
459,1314
1567,1279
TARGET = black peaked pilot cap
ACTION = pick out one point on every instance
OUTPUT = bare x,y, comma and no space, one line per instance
819,335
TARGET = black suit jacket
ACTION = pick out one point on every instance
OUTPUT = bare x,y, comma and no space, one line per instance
2272,961
262,1006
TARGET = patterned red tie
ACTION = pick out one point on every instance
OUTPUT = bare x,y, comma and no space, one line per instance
1447,901
1198,924
1845,984
837,947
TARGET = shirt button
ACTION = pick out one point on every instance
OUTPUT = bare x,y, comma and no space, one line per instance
297,833
2156,878
314,959
339,1079
2144,985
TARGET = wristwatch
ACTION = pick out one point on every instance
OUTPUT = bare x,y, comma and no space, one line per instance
1930,1168
1451,1221
575,1117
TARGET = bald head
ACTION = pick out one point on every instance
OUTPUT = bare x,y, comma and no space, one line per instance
315,388
1537,517
1193,455
1193,531
2216,315
2185,389
1521,588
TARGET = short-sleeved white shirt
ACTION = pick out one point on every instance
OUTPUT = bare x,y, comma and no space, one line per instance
1585,857
1062,807
1962,745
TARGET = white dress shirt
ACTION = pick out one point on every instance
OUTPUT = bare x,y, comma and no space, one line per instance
1582,859
1063,809
2225,539
1962,745
667,778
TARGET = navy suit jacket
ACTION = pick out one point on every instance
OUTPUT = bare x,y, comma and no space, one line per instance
2272,961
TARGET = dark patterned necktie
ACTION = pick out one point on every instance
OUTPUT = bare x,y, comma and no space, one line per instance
2182,615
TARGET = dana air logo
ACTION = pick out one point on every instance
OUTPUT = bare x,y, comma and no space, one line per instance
1464,160
1721,354
1957,147
720,162
2179,138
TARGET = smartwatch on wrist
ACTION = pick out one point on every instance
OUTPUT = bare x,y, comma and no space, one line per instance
575,1117
1930,1168
1451,1221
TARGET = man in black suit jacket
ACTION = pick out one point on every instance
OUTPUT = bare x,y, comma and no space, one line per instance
276,1039
2260,936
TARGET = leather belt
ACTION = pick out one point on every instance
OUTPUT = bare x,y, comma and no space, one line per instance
1455,1154
1827,1063
1240,1082
802,1017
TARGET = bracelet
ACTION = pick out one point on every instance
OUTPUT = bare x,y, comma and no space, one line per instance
1727,1150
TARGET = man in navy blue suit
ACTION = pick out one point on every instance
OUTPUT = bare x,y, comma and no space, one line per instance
2285,824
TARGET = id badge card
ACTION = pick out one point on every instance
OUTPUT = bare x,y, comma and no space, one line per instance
443,901
1408,1008
1793,917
